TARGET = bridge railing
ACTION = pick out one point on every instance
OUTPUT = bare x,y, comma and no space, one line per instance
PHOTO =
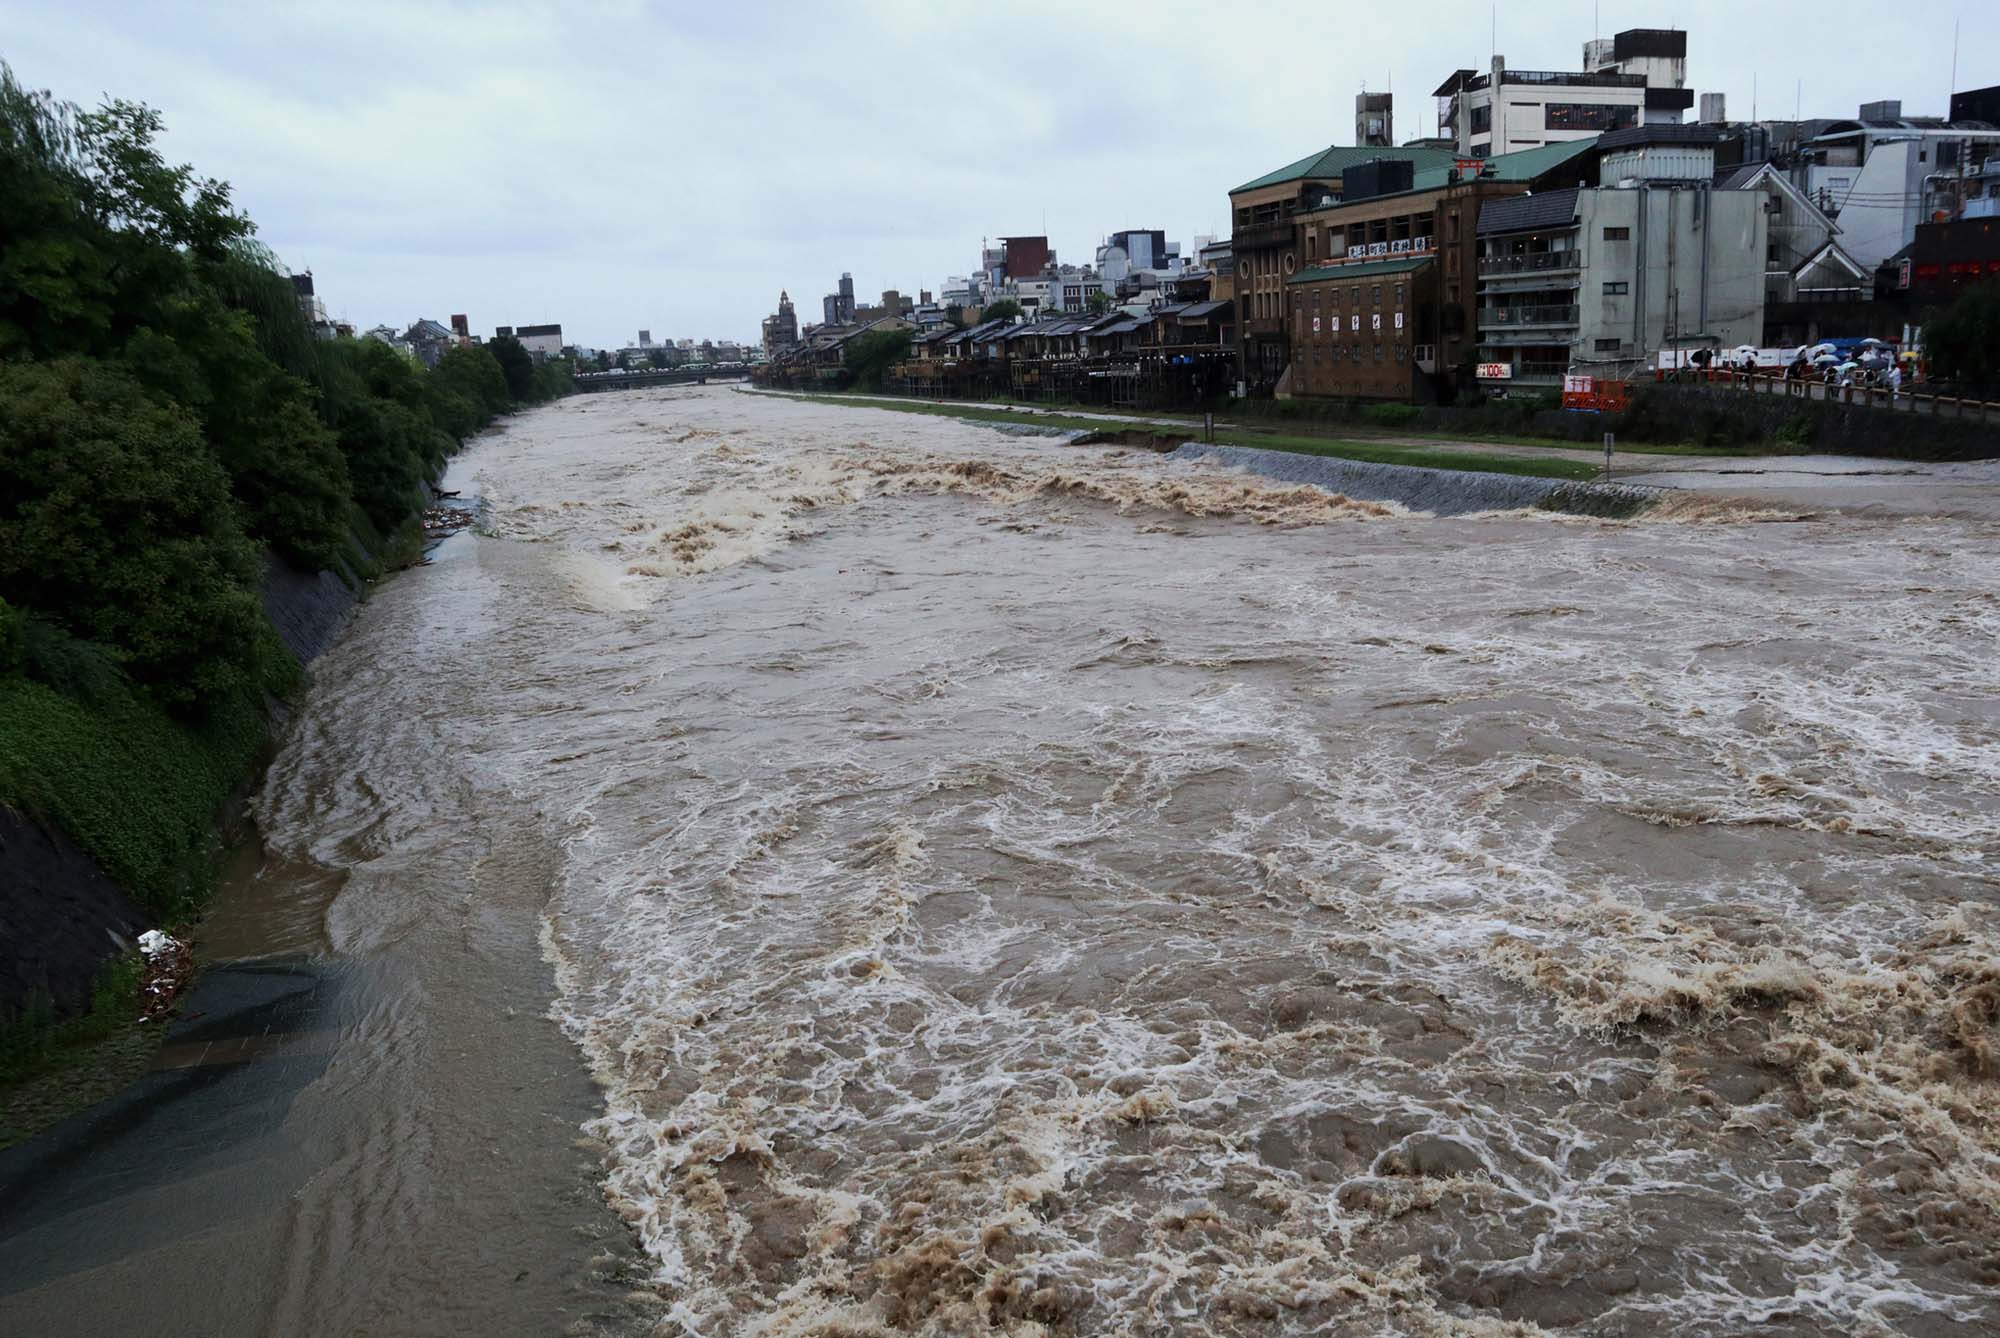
1809,388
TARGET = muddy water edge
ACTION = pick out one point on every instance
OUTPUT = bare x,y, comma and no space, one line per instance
1001,885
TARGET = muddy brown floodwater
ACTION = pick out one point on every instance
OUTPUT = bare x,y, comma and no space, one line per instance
1006,885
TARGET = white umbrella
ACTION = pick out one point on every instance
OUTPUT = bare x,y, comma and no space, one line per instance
1874,343
1819,349
1825,359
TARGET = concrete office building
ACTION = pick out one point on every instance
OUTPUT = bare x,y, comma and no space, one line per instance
1602,279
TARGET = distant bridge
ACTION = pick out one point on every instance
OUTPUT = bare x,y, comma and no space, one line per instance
659,376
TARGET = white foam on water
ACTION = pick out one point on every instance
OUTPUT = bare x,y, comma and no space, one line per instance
990,907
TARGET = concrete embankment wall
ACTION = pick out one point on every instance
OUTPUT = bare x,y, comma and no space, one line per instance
1443,492
61,917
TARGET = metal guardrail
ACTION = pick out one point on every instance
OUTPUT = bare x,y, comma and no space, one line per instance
1490,317
1875,397
1529,264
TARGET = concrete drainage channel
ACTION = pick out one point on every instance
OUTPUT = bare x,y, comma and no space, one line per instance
1442,492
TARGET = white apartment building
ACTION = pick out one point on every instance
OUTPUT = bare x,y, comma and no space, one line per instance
1883,173
1638,77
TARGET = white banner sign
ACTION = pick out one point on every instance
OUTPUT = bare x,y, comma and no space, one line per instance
1496,371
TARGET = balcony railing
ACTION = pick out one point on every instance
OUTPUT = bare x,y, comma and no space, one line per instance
1541,371
1529,263
1572,78
1492,317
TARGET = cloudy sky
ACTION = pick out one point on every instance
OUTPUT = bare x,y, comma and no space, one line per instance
622,165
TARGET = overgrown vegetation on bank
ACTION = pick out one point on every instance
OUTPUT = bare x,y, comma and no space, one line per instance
168,416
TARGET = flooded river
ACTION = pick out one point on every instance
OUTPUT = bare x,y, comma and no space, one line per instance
999,884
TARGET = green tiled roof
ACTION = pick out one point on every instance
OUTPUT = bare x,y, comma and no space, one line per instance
1525,165
1363,270
1330,162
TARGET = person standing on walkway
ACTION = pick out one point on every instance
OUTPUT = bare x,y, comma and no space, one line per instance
1895,379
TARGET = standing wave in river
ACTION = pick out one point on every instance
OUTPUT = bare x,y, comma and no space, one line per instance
1004,887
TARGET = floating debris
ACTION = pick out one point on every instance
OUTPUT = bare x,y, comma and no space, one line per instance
169,969
447,519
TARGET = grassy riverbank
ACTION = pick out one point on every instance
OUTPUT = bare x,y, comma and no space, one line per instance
1383,451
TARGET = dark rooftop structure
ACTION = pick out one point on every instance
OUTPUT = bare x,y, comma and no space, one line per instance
1549,209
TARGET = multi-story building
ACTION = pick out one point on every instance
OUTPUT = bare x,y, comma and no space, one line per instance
1364,329
1638,77
1602,278
781,330
1374,120
837,307
1883,173
1266,248
541,340
311,307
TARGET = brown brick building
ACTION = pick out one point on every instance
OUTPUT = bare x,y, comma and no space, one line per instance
1295,223
1363,329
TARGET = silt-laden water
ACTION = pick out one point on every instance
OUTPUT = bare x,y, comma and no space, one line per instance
1005,885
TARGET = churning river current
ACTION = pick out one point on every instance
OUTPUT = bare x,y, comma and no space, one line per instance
1002,884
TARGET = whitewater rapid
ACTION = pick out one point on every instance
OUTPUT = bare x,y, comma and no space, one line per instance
1011,885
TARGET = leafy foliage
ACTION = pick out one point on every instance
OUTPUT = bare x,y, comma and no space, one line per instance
1006,309
116,520
868,356
1964,343
166,412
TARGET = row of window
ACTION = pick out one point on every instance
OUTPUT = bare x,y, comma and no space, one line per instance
1354,296
1357,353
1333,326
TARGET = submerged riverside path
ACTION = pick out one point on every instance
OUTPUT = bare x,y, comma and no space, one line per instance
999,884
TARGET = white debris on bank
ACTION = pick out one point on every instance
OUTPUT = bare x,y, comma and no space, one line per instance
154,942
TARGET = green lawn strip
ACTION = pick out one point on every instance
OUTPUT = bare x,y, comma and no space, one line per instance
1440,457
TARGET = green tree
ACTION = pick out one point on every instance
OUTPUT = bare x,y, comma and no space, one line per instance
116,521
1964,343
1099,302
656,357
870,355
1006,309
517,366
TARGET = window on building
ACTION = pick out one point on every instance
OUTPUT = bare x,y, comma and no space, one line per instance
1482,118
1618,234
1312,244
1586,116
1399,294
1376,298
1617,288
1451,225
1402,353
1378,353
1607,345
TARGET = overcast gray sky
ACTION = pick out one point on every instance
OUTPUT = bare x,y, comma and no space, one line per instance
620,165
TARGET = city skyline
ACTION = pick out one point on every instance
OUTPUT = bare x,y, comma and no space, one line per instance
660,177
